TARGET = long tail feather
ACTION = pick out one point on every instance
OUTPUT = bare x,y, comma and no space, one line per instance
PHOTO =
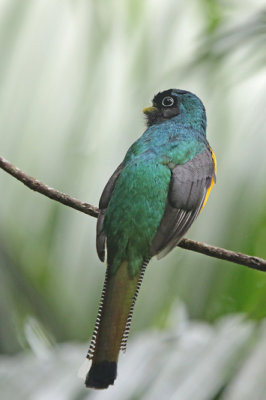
98,319
123,346
112,326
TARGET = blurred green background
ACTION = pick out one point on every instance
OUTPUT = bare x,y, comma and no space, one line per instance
74,77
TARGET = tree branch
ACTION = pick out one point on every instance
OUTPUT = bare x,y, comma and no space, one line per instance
212,251
47,191
224,254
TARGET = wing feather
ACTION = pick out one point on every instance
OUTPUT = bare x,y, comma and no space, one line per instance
104,200
187,191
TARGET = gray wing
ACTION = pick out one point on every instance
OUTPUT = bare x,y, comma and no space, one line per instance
187,192
104,200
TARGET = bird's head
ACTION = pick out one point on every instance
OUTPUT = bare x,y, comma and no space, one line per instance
172,102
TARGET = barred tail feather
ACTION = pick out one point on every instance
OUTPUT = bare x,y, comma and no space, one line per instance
123,345
112,326
98,319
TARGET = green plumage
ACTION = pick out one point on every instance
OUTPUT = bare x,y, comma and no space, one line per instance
138,200
147,206
134,213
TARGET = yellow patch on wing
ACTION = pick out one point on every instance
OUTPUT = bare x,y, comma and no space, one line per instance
212,180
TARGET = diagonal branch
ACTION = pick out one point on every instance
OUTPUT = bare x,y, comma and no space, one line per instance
212,251
224,254
47,191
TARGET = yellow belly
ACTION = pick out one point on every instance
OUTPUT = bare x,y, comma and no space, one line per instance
212,180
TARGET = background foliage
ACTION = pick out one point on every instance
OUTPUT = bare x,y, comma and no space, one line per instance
74,77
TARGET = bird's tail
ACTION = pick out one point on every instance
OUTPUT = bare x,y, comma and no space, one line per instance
112,326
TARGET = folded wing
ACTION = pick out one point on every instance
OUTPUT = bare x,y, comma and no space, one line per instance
104,200
187,191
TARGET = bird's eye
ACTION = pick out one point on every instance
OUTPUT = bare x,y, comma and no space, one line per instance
168,101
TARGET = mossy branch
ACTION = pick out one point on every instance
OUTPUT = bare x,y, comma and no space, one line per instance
203,248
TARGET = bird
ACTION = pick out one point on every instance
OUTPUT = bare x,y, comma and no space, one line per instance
145,209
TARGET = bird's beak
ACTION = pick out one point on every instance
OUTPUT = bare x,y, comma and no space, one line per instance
149,110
